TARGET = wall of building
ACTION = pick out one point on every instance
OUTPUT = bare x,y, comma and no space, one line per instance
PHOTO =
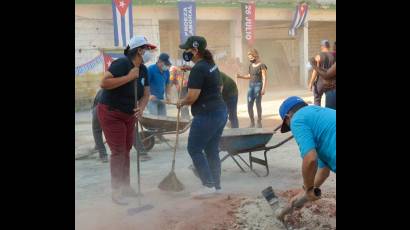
319,31
221,26
93,31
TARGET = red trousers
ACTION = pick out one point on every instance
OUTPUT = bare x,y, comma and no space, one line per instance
118,128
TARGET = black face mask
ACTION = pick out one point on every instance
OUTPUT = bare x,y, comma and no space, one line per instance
252,60
187,56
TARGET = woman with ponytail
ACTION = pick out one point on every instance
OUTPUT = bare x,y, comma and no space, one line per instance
209,112
117,112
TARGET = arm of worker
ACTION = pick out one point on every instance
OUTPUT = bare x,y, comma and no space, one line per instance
309,168
314,73
326,74
195,82
190,98
111,82
168,92
264,79
247,76
321,175
142,102
307,147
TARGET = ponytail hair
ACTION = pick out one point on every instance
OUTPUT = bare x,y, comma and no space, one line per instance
207,55
126,51
131,53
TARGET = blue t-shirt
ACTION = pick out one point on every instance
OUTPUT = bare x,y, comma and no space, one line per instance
314,127
157,81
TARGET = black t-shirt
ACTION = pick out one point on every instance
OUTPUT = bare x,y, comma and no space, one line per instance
256,72
122,98
205,77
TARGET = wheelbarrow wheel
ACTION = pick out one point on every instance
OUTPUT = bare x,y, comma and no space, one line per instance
148,143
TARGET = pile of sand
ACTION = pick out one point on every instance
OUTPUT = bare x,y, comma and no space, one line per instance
256,214
209,214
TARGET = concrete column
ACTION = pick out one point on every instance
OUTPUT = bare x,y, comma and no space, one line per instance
303,55
236,38
155,32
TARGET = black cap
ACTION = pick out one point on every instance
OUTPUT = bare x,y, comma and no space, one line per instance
165,58
194,42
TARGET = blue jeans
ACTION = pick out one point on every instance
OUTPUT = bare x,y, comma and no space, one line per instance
203,145
232,104
254,93
331,99
157,107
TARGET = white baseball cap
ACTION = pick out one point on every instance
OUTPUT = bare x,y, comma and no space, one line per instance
139,40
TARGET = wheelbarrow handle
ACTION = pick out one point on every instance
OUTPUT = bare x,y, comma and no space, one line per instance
277,128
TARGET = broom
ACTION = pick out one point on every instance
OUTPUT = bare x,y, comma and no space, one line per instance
133,211
171,182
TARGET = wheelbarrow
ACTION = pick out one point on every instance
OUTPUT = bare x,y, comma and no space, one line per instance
157,126
248,140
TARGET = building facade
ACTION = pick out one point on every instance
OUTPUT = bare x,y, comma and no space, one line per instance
285,56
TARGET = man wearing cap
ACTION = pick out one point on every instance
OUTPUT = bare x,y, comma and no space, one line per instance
324,60
159,81
314,129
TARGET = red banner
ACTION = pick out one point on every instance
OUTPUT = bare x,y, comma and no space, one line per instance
248,22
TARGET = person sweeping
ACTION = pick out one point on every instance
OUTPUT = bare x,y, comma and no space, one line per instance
209,115
117,112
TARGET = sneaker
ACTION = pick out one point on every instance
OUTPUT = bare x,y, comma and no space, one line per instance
104,159
219,191
204,192
118,198
128,191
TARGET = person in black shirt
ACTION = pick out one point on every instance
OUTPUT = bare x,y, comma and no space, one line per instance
209,112
324,60
117,112
257,85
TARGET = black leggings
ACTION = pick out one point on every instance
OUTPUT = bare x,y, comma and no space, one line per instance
254,93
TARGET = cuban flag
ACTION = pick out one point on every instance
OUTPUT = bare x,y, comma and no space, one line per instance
123,21
109,58
298,18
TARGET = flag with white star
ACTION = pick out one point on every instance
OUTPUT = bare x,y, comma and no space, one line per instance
123,22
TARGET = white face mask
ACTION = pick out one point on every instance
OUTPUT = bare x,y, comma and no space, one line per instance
147,56
165,68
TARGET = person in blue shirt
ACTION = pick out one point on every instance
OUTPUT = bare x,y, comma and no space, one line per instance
159,82
314,129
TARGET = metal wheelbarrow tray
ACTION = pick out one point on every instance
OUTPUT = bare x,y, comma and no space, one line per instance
158,126
248,140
